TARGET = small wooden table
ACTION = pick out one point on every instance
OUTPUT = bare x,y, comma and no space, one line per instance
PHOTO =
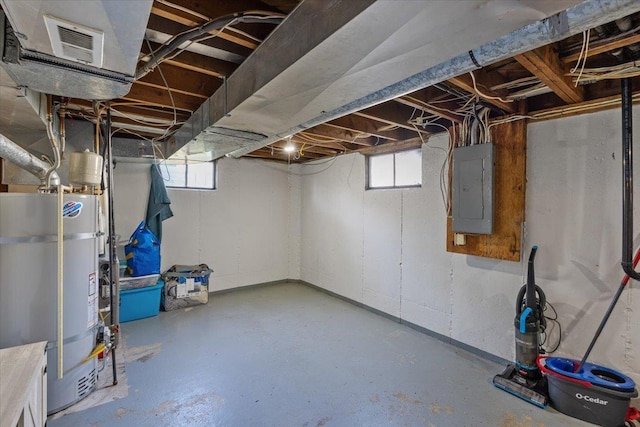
23,385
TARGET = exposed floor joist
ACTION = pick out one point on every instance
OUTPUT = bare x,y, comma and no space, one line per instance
535,82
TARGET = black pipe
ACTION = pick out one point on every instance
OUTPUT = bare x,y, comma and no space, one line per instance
627,211
627,181
114,268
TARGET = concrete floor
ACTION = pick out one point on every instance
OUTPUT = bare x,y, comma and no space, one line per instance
289,355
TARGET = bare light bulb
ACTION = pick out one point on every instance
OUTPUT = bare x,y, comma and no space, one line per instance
289,148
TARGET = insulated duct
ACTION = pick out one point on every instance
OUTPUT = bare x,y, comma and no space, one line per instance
574,20
12,152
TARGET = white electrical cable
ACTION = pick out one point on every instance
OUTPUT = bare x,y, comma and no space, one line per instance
586,54
484,95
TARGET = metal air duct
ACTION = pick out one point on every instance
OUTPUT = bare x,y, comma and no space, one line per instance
11,151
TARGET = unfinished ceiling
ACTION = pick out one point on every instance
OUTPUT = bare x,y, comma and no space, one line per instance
362,75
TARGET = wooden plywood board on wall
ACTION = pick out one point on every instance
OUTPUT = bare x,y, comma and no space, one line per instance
510,141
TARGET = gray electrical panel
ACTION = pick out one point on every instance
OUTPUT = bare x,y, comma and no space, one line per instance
472,189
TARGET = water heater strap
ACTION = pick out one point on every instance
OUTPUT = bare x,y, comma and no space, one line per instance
47,238
54,344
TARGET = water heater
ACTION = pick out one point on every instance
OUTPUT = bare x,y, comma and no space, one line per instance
28,286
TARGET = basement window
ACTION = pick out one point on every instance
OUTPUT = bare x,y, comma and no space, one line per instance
189,174
395,170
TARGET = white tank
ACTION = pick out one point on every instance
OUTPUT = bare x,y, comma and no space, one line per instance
28,286
85,168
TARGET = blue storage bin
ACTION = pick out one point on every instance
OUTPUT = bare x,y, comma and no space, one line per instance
140,303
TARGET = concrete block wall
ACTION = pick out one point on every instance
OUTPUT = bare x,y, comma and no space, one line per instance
386,248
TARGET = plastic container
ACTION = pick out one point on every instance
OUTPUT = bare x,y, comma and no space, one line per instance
140,303
596,394
128,283
122,264
185,286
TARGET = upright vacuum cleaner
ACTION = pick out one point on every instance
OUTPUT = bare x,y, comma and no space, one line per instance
524,379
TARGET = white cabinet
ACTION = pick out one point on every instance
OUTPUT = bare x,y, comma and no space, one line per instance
23,385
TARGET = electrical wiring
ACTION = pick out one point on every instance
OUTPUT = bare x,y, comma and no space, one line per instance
484,95
584,44
628,69
560,111
510,119
536,89
168,48
317,138
514,84
173,104
547,333
138,120
179,50
245,34
443,175
434,107
586,53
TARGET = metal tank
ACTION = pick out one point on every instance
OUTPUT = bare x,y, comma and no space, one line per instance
28,286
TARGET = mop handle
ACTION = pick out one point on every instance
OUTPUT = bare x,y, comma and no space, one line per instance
625,280
623,283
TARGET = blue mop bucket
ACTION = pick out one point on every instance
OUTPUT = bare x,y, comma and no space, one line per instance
595,394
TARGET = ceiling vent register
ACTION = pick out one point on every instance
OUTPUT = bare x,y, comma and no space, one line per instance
75,42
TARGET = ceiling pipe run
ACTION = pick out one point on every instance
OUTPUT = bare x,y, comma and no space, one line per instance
574,20
12,152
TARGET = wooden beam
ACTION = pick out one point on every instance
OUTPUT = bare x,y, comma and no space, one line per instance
596,49
265,153
199,63
545,64
465,83
137,112
391,113
306,137
391,146
216,9
182,81
306,147
169,27
192,19
590,106
439,110
371,127
344,135
160,97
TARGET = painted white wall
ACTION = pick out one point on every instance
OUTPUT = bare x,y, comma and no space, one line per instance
247,230
387,248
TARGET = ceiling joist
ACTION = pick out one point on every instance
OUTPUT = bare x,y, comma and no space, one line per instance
545,64
465,82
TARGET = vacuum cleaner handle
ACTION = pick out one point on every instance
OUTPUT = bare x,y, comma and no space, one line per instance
531,280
